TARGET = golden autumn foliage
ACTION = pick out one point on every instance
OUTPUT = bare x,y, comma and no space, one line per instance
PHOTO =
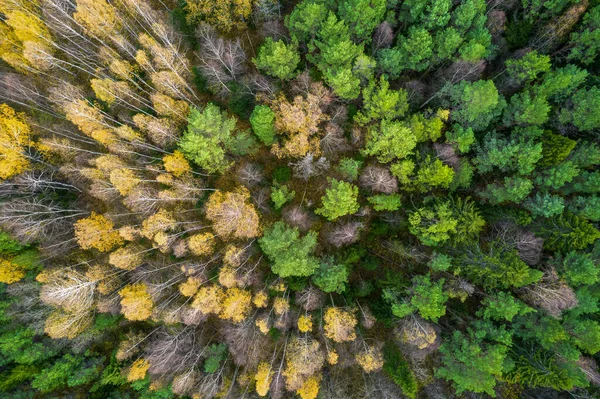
263,378
66,325
237,304
15,137
370,360
261,299
310,388
168,106
305,323
104,277
10,272
232,215
127,258
209,299
138,370
263,324
332,357
97,232
190,286
281,306
161,221
225,14
339,324
124,180
298,122
97,17
136,303
176,164
228,277
304,358
201,244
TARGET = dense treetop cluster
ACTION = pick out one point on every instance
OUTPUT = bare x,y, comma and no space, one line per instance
312,199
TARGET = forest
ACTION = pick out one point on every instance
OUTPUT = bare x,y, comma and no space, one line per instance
314,199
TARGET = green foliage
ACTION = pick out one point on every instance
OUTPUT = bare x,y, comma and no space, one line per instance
306,19
514,189
502,306
440,262
568,232
561,83
350,168
208,135
69,371
536,367
585,44
384,202
263,124
339,200
585,155
557,176
515,154
413,52
278,59
556,148
586,335
381,102
545,204
391,140
280,195
586,207
427,129
461,139
344,83
215,354
290,254
362,16
331,276
433,224
526,109
528,67
431,174
471,364
578,268
425,296
474,105
495,266
8,246
399,371
584,114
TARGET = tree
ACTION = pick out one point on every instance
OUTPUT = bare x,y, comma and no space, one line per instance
226,14
388,203
263,124
583,114
527,68
578,269
471,364
128,257
339,200
136,303
514,189
331,276
496,266
475,104
263,377
278,59
557,176
340,324
280,195
97,232
15,138
556,148
503,306
425,296
362,17
380,102
545,204
208,136
236,305
389,141
290,254
176,164
10,272
412,52
201,244
433,224
370,360
306,20
585,44
232,215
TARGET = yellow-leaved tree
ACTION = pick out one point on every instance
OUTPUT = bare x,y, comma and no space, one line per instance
97,232
15,138
226,14
232,214
10,272
263,378
136,303
339,324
